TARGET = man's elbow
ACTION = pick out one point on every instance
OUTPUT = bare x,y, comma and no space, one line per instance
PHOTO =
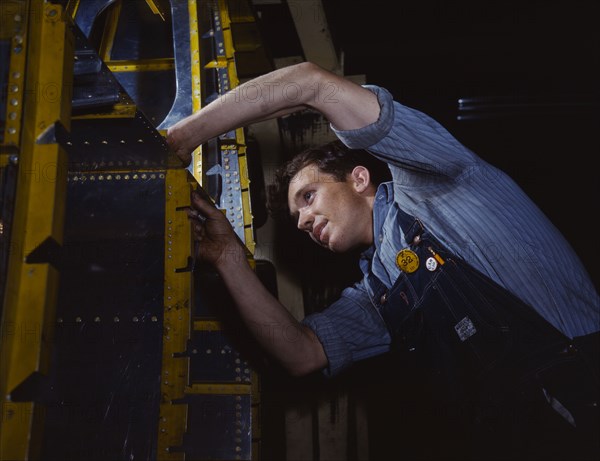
311,360
310,79
304,368
308,68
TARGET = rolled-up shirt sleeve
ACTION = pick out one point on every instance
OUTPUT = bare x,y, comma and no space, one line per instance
407,138
350,330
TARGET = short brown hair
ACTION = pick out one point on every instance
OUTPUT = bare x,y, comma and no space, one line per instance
333,158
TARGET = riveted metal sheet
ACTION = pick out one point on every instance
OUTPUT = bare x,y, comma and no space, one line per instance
123,206
221,427
213,358
109,144
105,381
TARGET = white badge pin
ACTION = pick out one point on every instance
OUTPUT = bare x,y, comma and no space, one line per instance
431,264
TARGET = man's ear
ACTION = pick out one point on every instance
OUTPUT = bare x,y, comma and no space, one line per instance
361,178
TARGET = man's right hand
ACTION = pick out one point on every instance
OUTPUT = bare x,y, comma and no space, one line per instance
176,140
219,245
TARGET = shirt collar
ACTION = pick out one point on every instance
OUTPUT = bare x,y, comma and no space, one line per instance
385,192
383,200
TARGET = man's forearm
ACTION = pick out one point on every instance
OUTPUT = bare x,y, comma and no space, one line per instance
292,344
345,104
268,96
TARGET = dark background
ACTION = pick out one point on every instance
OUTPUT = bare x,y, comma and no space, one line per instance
529,66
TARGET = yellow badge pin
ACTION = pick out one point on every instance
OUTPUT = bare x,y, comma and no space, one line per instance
407,261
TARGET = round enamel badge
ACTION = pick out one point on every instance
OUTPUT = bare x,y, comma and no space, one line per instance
431,264
407,261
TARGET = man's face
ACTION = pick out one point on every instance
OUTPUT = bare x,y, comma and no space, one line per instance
337,215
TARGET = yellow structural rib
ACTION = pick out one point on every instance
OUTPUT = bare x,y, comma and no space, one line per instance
142,65
31,289
177,314
196,81
246,220
14,22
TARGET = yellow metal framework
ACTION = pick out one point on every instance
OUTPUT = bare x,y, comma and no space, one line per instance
177,315
14,21
196,82
40,76
31,289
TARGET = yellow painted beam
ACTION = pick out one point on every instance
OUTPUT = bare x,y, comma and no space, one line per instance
72,7
142,65
207,325
32,289
197,169
220,389
15,21
177,314
124,109
239,133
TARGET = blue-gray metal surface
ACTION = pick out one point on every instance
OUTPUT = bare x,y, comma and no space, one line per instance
182,105
102,394
87,13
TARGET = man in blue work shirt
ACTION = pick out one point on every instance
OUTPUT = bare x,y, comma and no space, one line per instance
461,269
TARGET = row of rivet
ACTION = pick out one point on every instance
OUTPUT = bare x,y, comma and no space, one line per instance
16,75
116,177
84,166
228,180
13,115
232,178
104,142
115,319
238,423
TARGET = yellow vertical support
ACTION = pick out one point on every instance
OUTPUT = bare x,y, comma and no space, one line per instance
31,289
15,17
177,314
228,43
239,133
196,91
246,204
72,7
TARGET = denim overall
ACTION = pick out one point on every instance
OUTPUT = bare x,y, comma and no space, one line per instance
516,386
